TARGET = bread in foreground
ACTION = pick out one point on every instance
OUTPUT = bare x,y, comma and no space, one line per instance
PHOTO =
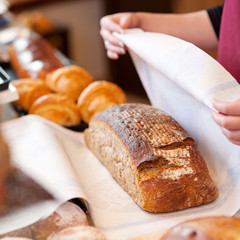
151,156
78,232
67,215
207,228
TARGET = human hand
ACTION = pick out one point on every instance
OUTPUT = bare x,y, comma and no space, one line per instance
228,118
116,23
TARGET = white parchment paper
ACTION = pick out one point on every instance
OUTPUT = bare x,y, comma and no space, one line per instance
181,80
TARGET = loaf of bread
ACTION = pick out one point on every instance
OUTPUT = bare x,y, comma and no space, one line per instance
78,232
33,57
69,80
98,96
151,156
208,228
66,215
57,107
29,90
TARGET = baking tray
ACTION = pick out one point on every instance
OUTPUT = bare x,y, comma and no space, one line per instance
13,76
4,79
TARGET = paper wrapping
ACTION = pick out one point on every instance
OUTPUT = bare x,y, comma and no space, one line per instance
181,80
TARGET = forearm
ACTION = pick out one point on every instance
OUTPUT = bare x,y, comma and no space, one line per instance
193,27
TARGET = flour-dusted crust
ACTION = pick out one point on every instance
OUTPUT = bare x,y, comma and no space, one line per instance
207,228
151,156
78,232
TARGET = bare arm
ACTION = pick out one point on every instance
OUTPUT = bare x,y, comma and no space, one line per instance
193,27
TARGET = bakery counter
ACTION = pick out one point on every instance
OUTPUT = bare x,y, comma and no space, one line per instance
140,146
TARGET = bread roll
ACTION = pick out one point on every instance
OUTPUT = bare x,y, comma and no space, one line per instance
29,90
208,228
98,96
33,57
70,80
58,108
151,156
78,232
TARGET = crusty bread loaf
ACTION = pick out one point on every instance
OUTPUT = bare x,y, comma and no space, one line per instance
151,156
70,80
57,107
208,228
98,96
29,90
78,232
66,215
33,57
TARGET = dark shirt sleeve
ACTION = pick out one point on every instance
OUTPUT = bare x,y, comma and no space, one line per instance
215,15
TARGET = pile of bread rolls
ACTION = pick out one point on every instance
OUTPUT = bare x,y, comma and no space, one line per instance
65,95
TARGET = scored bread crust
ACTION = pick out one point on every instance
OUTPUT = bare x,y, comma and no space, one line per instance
151,156
206,228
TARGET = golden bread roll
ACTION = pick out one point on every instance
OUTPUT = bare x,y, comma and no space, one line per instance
208,228
70,80
29,90
78,232
151,156
5,165
98,96
33,57
57,107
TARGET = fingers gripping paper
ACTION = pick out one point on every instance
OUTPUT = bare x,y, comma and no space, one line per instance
182,80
